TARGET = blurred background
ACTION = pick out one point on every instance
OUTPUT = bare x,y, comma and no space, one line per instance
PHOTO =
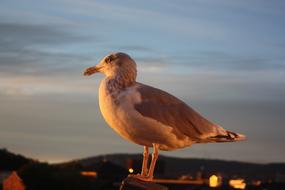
223,58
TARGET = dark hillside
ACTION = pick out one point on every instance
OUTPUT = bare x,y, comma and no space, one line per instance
10,161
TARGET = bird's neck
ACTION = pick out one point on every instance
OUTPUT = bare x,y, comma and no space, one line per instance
119,82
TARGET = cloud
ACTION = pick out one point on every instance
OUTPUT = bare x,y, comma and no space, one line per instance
39,49
119,15
35,60
224,61
16,37
38,63
209,61
44,85
135,48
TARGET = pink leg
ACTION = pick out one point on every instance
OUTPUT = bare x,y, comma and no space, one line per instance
153,161
145,161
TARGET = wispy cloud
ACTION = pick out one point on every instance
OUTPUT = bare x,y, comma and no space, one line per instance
39,49
18,36
46,85
221,61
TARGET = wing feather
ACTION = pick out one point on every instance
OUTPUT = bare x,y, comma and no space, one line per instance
171,111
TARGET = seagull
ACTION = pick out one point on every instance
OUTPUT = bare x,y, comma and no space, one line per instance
149,116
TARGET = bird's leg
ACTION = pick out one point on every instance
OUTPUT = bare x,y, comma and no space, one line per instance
149,176
153,161
145,161
143,174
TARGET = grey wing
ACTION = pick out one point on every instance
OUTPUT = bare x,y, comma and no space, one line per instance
171,111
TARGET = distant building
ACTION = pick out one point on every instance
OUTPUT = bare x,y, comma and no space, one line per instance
215,180
237,183
105,170
13,182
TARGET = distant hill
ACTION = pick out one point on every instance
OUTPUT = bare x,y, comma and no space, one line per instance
181,166
10,161
173,167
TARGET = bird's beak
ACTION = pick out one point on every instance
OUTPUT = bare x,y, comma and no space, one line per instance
91,70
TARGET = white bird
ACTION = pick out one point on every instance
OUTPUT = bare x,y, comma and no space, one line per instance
149,116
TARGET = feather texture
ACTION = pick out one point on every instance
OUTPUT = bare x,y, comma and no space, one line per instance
169,110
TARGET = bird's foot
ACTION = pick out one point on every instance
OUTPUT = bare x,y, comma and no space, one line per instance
141,177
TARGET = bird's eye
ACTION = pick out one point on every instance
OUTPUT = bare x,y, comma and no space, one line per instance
110,58
107,59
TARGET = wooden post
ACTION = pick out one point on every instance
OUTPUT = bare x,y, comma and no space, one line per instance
132,183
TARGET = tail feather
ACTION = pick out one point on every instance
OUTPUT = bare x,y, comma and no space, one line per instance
229,137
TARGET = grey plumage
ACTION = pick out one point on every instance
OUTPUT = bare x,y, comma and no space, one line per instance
169,110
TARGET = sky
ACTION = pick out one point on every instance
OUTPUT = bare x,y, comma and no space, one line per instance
224,58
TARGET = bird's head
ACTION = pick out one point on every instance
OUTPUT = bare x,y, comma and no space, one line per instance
114,65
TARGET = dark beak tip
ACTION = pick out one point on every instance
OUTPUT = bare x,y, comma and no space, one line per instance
86,73
90,71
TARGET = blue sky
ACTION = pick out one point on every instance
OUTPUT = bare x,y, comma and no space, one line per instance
224,58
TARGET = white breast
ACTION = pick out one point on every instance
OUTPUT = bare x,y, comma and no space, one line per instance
113,106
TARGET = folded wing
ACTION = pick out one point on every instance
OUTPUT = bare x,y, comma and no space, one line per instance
169,110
